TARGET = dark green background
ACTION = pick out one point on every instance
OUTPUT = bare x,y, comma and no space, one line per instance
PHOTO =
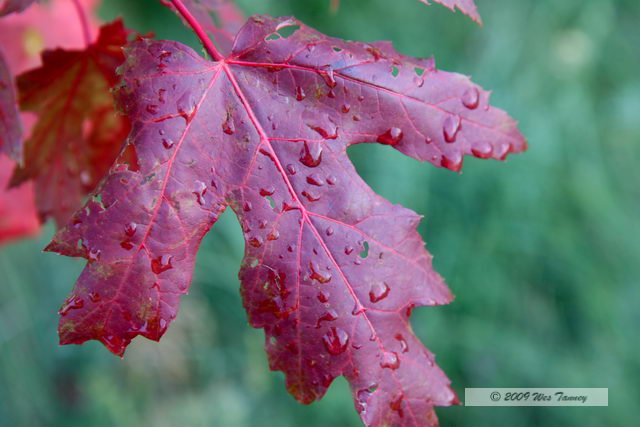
541,251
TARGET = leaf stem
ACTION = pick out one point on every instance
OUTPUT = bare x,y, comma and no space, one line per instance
84,22
197,28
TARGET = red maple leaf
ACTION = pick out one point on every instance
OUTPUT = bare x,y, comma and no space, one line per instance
467,7
78,133
331,270
18,216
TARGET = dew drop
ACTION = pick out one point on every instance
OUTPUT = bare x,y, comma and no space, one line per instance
247,206
186,105
501,151
418,81
404,347
345,108
378,291
94,255
360,98
451,128
161,263
314,179
323,297
310,196
329,77
274,235
348,250
256,242
267,191
300,95
471,98
329,316
335,341
152,108
482,149
396,405
290,248
291,169
391,136
331,180
357,309
452,161
72,303
130,229
329,231
324,133
311,154
390,360
200,191
228,127
317,275
94,297
167,143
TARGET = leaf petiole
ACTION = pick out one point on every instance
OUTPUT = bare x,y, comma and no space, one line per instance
197,28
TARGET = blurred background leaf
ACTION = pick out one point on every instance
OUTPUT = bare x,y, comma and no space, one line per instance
541,251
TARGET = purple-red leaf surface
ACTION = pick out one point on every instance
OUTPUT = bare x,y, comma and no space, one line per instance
331,270
10,124
78,133
468,7
10,6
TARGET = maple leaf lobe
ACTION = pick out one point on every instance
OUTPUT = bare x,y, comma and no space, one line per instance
78,134
331,270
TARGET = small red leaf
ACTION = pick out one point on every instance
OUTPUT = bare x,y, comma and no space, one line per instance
331,269
78,133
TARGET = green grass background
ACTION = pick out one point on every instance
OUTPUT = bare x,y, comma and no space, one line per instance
542,251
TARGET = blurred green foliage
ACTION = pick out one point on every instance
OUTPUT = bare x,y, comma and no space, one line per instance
541,251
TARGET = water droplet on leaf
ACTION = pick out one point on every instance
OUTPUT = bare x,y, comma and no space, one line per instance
390,360
161,263
300,95
391,136
311,154
329,316
451,128
335,341
471,98
378,291
72,303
